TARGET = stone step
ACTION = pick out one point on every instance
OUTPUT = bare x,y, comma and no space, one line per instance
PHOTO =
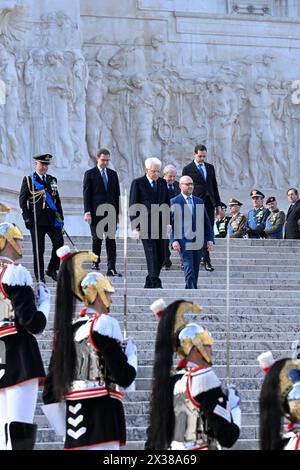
264,314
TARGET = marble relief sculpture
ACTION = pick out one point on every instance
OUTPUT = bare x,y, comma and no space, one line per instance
144,97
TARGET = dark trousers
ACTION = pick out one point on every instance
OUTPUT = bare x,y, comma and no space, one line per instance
167,253
191,262
211,215
57,240
154,252
110,245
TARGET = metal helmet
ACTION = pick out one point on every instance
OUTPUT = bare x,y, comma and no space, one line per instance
95,283
293,397
293,400
10,233
194,335
289,386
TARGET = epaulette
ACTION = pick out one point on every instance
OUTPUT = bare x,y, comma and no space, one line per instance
16,275
108,326
203,380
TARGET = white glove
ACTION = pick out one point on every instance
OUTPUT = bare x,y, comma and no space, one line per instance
131,352
43,299
234,404
233,397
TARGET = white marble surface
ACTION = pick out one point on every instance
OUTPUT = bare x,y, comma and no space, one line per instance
150,78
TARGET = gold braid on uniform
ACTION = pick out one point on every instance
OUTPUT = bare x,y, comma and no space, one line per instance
36,194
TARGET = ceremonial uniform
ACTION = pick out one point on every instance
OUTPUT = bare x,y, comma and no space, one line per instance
195,413
281,389
237,226
275,225
94,417
208,423
257,218
222,226
238,222
21,367
275,222
94,400
49,215
291,438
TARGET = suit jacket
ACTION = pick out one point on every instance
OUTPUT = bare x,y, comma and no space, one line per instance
204,188
45,215
94,192
141,192
174,192
178,209
291,223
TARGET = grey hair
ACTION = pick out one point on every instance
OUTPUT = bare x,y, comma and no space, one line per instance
152,161
168,168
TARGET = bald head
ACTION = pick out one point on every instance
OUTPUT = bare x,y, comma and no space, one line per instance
186,185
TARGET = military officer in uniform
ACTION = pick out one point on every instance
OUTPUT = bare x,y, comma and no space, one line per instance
238,222
257,216
23,314
280,400
189,410
40,189
222,221
275,221
90,360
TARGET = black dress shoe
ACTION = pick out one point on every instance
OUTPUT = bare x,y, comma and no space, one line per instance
95,266
208,266
52,274
113,272
202,263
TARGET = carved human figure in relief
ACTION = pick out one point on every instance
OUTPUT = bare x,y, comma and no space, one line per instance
262,159
117,119
36,99
9,110
149,102
224,113
59,86
96,92
77,116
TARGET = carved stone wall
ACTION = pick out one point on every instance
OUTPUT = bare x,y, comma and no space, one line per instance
150,78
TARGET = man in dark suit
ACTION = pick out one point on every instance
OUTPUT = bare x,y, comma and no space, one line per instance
170,173
292,223
191,230
101,187
149,191
205,187
49,215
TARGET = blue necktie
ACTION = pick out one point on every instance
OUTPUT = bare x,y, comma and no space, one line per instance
154,186
190,202
200,168
44,179
104,178
171,188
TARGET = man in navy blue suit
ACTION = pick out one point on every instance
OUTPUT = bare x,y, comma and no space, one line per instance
150,192
191,230
100,188
205,187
